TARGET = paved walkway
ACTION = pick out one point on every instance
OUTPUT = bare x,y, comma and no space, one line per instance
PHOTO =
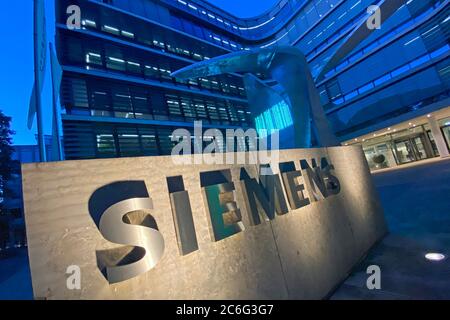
416,200
15,277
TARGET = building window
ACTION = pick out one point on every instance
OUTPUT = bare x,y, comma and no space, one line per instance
115,64
105,145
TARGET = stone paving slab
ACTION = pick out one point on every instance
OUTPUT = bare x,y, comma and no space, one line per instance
416,201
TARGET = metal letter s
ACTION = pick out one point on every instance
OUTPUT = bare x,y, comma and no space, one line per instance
122,223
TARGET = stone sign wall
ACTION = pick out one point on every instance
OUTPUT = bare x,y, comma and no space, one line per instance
145,228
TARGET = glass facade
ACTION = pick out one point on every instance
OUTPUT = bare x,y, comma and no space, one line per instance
119,99
407,142
399,147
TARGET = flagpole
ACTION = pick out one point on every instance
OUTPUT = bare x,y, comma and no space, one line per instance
56,120
40,123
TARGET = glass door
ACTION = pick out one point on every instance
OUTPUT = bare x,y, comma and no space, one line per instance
404,151
411,149
433,143
446,132
418,148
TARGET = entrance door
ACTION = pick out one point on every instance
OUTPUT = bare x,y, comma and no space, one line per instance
404,151
419,149
410,149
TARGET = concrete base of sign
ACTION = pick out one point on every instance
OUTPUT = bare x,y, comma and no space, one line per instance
303,254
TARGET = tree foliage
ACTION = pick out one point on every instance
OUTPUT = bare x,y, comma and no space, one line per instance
7,165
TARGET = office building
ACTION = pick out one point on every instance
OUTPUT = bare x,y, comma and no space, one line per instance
390,94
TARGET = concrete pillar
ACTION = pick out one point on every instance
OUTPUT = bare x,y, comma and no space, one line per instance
438,137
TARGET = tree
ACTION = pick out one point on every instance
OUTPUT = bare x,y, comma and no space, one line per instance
6,150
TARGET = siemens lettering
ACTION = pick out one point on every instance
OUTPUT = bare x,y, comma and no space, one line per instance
125,220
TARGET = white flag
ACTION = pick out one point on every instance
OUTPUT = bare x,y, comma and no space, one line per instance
32,107
57,74
41,46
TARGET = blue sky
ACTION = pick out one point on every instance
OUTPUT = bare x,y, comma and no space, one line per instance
16,59
16,67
